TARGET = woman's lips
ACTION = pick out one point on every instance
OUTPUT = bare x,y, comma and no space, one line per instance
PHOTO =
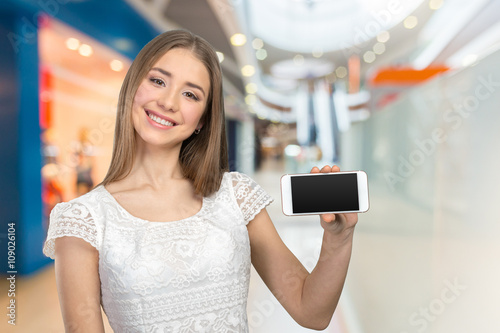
159,120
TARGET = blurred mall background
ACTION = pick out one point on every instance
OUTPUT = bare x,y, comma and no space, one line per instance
406,90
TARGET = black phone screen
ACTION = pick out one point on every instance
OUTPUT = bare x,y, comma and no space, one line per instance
325,193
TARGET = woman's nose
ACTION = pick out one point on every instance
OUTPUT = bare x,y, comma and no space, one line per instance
169,100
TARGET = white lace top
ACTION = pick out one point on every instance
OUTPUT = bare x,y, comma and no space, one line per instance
190,275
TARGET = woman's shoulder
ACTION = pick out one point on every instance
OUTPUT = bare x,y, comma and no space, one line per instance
76,218
81,203
236,176
234,179
249,196
243,185
239,179
93,196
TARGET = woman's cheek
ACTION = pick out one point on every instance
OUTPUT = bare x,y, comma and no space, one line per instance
194,114
140,94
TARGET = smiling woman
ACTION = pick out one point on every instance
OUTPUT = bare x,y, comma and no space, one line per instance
165,242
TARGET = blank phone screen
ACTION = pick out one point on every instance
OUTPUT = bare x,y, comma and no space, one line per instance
324,193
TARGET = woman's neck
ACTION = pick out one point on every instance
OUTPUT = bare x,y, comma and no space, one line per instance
155,165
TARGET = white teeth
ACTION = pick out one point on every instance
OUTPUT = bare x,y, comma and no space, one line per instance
160,121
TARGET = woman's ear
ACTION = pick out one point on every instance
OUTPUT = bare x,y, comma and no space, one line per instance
198,128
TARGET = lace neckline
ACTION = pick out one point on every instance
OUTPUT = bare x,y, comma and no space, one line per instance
199,213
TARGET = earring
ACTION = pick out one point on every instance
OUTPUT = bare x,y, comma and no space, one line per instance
197,131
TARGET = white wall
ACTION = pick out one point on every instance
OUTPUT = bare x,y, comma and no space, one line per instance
427,254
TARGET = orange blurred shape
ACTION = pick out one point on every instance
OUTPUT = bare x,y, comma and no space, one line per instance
391,76
354,65
45,97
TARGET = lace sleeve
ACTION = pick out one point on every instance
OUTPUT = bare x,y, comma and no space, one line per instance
251,198
70,219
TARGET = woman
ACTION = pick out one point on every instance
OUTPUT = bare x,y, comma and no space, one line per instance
165,242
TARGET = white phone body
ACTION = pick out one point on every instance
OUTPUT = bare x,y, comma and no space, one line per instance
321,193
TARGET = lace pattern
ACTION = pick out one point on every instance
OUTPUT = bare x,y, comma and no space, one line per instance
70,219
251,198
190,275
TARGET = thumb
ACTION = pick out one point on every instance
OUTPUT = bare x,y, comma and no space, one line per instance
328,217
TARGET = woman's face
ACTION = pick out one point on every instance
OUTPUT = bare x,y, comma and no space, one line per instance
170,101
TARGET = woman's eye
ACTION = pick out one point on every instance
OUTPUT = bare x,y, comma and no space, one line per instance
157,81
189,94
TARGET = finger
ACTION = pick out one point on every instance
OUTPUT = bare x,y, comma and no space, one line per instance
335,168
315,170
328,217
326,169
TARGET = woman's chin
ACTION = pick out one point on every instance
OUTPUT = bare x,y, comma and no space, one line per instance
157,143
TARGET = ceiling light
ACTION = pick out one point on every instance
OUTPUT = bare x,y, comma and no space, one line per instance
251,100
369,57
331,78
72,43
262,113
238,39
435,4
469,59
261,54
341,72
116,65
247,70
317,52
251,88
298,60
220,55
383,36
85,50
275,118
257,43
379,48
410,22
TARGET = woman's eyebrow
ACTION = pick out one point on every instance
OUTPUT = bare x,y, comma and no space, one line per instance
166,73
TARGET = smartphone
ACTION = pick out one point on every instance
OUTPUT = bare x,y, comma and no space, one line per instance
320,193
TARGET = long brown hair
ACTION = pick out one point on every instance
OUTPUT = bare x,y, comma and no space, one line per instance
203,157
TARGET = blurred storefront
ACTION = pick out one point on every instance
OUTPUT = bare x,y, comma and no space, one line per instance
79,87
58,92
